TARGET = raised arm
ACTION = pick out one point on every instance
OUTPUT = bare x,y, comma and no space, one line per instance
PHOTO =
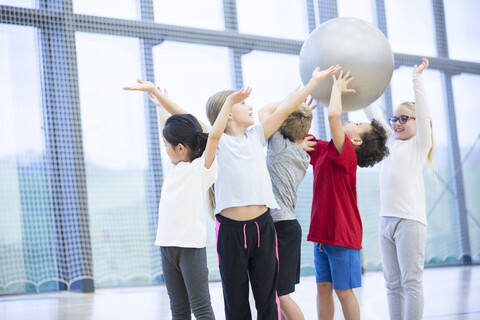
294,99
164,115
422,111
335,109
162,98
267,110
221,122
373,112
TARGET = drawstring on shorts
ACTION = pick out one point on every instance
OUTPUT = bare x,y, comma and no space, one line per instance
245,235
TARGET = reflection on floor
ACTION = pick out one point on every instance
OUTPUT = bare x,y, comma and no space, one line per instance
450,293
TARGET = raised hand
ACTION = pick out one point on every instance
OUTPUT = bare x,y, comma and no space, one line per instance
142,86
309,103
320,75
308,144
342,82
155,100
419,69
239,96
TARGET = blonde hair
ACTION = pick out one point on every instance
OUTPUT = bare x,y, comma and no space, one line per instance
431,164
215,103
297,124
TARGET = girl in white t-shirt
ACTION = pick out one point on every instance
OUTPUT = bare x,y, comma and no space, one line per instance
246,239
181,232
403,221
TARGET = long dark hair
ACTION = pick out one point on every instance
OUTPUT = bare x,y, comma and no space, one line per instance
185,129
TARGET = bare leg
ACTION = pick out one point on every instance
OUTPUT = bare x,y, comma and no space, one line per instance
289,308
350,307
325,304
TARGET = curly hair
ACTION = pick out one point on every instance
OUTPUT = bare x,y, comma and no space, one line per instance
374,146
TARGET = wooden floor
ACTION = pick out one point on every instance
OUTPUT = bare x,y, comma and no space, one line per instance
450,293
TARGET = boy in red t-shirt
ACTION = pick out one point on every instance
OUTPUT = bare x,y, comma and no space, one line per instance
335,225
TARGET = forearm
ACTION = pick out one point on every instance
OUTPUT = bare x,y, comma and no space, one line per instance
268,110
335,119
422,113
292,102
164,115
216,134
221,122
372,112
167,103
335,108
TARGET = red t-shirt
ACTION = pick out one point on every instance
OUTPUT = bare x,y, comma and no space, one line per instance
335,218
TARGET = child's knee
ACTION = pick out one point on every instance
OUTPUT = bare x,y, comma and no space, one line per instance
345,294
324,288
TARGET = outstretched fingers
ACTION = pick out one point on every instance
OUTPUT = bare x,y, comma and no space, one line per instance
245,92
419,68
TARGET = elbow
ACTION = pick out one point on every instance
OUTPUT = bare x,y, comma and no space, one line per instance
261,115
333,116
214,136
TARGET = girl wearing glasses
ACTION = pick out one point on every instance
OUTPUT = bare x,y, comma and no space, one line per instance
403,221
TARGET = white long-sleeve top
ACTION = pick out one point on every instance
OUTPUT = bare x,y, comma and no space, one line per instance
402,190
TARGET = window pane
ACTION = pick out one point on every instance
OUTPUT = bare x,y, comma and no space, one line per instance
19,3
410,26
273,18
123,9
463,28
207,14
186,71
442,236
466,94
361,9
262,69
116,160
27,235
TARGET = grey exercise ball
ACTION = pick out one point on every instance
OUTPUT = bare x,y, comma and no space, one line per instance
357,46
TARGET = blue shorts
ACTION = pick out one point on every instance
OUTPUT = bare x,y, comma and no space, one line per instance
339,265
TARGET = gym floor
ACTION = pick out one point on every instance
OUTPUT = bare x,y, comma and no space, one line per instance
450,293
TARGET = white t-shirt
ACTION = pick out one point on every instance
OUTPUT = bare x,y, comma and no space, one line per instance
181,214
243,177
402,190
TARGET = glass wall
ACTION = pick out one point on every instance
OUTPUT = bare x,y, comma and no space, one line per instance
466,95
116,160
81,160
27,237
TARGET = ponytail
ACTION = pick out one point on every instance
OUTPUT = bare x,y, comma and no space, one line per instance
185,129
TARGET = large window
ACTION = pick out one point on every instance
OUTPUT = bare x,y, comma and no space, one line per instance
206,14
463,29
116,160
82,161
273,18
466,95
27,237
124,9
410,27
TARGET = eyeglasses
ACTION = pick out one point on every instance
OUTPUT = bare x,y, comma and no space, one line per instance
401,119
